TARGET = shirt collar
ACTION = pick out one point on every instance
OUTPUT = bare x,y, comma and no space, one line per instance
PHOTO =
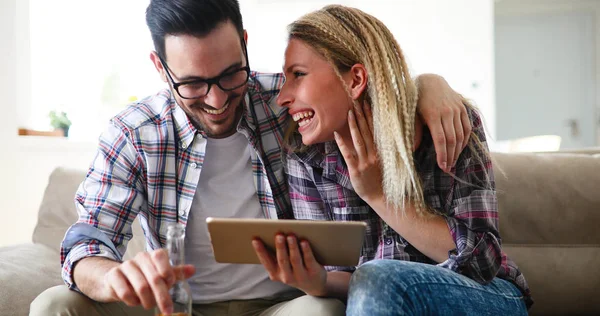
325,156
185,130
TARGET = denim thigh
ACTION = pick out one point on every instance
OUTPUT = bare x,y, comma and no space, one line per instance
394,287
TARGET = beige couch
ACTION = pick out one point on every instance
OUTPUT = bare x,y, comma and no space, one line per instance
549,211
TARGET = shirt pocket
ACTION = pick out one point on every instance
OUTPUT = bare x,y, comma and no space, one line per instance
362,214
352,213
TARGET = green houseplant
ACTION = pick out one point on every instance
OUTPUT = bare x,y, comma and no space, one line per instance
59,120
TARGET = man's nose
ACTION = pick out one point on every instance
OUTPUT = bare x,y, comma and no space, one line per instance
216,97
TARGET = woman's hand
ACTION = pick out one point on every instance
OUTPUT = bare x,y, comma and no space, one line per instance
293,264
361,155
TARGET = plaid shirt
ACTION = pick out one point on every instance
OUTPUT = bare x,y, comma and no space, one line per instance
320,189
148,164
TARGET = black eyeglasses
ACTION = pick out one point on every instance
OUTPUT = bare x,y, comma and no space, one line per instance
195,89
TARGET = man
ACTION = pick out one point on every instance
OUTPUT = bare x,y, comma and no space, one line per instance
207,146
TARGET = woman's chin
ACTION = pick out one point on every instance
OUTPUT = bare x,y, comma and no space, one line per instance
309,139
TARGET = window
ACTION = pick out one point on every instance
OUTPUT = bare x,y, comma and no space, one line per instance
89,59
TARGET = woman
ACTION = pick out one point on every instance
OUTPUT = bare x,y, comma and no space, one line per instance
357,154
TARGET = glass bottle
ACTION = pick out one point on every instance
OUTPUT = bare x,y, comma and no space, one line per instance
181,293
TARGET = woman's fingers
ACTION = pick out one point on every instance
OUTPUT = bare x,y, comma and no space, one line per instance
309,258
347,151
283,260
369,115
366,128
296,260
357,138
265,258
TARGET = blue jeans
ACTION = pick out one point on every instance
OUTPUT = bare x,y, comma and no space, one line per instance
394,287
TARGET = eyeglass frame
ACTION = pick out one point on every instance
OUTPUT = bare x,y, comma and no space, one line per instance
210,81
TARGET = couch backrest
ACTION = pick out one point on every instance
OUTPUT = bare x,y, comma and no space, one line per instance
57,212
549,208
548,198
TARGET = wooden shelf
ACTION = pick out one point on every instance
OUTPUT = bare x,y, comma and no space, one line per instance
31,132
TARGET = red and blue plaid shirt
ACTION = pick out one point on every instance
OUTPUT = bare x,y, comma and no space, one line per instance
320,189
148,165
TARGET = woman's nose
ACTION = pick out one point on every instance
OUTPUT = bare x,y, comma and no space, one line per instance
284,98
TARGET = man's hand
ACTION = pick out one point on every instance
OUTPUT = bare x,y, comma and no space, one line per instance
145,280
444,113
294,264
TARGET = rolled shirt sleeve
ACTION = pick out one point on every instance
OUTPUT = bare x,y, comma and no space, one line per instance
478,252
107,202
81,241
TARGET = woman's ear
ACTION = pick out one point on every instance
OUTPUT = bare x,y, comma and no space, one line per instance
358,83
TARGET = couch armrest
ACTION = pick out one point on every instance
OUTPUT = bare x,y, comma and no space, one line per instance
26,270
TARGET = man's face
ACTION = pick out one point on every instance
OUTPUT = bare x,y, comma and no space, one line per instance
191,58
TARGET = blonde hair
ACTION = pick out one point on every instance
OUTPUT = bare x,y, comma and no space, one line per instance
347,36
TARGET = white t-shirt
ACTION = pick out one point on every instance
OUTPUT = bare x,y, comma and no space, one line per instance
226,189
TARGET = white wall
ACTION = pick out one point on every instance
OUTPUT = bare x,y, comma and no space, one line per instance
25,162
8,69
8,108
451,38
34,160
511,8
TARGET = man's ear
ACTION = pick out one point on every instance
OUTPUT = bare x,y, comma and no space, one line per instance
358,83
246,37
158,65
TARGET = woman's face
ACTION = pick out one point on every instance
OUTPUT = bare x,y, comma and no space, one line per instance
314,94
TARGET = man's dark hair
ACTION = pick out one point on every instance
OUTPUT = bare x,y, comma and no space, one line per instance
189,17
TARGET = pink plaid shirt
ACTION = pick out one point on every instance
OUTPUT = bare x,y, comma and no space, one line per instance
320,189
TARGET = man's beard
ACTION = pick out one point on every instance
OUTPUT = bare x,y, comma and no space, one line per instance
239,110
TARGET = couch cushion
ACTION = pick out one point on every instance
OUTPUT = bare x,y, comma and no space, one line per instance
26,271
58,212
564,280
548,198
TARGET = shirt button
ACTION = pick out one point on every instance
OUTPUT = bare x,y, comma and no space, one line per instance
184,145
193,165
388,241
182,212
